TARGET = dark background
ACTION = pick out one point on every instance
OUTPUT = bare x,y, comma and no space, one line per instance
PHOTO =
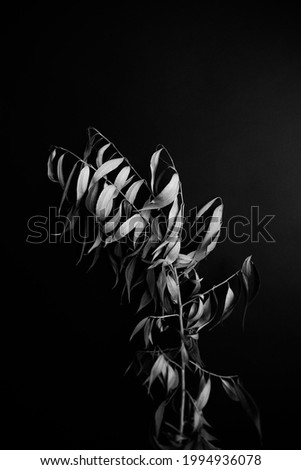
220,88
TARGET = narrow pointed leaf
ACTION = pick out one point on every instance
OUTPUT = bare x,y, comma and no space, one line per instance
50,171
131,193
100,153
105,202
204,395
138,327
173,288
229,389
153,165
121,178
159,417
82,182
166,196
105,168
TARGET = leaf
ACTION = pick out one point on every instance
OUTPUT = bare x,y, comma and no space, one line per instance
173,214
172,255
229,389
204,395
172,379
214,226
91,198
159,417
82,182
229,299
204,209
104,169
67,185
148,332
121,178
100,153
131,193
158,368
183,261
124,228
153,166
111,224
138,327
206,314
140,226
161,284
145,300
50,172
250,278
104,202
248,404
166,196
60,170
173,288
129,273
196,313
96,243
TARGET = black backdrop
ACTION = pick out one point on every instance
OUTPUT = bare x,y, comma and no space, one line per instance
220,88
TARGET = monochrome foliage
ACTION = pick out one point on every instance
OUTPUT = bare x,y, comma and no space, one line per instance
143,228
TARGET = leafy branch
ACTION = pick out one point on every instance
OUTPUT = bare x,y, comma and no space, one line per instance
141,226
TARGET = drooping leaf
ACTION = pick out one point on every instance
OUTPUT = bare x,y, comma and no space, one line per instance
204,395
145,300
159,416
138,327
121,178
204,209
129,273
214,226
173,288
161,284
50,170
229,299
229,388
159,367
60,174
112,224
166,196
82,182
67,185
96,243
104,202
250,278
100,153
248,404
153,165
91,198
172,252
173,214
104,169
172,378
124,229
131,193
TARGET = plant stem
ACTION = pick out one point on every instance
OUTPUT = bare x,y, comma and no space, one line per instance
183,362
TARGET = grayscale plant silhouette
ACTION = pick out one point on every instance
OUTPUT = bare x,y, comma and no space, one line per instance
155,251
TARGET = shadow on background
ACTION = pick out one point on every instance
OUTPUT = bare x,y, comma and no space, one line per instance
220,88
